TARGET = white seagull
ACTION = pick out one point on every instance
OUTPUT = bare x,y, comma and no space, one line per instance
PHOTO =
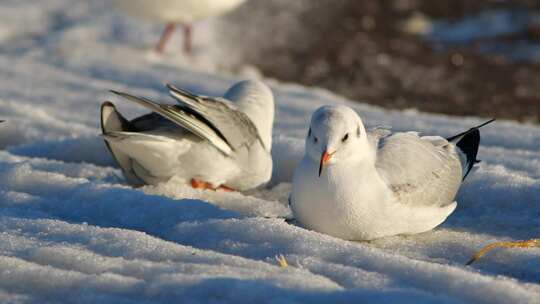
173,12
357,185
210,143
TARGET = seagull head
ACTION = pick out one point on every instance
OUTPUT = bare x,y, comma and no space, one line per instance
336,135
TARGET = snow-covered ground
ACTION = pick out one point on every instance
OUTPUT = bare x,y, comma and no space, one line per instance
73,231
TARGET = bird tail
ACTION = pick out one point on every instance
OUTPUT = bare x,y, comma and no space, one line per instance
112,121
468,143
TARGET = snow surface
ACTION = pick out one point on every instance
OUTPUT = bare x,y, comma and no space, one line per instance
483,27
74,232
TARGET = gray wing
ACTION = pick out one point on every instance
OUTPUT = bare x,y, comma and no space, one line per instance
419,170
376,133
233,125
185,118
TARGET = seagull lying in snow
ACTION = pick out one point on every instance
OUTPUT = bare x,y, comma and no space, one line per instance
212,143
173,12
357,185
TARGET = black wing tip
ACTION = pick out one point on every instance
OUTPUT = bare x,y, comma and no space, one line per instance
135,98
469,144
485,123
183,92
122,94
462,134
117,93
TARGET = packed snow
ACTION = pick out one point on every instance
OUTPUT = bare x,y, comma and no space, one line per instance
73,230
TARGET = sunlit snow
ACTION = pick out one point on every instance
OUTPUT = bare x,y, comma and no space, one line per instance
73,231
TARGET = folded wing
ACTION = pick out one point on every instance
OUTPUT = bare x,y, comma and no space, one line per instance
423,171
185,118
234,126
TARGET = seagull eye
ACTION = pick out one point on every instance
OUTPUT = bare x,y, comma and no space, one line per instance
315,139
345,138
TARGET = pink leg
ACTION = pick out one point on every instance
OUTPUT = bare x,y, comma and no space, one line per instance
188,33
165,36
225,189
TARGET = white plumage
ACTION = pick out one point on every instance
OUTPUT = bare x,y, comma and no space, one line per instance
172,12
376,184
208,142
177,11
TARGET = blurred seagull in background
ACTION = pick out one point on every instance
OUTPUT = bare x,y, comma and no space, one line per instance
359,185
211,143
174,12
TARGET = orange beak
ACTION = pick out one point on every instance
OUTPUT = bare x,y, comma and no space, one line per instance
324,159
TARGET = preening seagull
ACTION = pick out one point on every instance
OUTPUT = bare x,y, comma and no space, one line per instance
211,143
173,12
360,185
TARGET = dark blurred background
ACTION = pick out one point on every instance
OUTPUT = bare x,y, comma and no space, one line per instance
456,57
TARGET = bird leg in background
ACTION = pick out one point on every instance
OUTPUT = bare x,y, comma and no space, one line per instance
197,184
188,33
165,36
225,189
520,244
